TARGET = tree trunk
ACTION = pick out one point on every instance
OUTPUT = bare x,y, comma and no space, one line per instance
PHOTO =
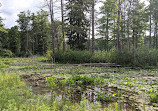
118,30
128,39
134,46
89,38
156,35
57,37
107,33
51,6
93,38
63,34
150,32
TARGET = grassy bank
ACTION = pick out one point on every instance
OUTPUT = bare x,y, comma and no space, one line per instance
15,96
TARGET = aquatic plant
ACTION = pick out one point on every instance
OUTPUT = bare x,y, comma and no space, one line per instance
153,94
105,97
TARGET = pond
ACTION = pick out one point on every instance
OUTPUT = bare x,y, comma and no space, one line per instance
105,94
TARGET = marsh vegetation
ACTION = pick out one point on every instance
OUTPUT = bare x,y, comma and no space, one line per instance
29,84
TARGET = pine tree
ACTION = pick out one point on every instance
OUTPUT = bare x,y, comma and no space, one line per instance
107,21
77,24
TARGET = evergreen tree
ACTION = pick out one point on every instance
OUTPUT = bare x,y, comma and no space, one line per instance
77,23
40,32
14,40
106,22
24,26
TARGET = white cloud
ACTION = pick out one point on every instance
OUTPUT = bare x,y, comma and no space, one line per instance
10,9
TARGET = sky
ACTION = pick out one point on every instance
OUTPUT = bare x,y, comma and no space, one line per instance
11,8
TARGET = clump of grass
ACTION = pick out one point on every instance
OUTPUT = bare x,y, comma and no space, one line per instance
84,80
115,107
105,97
2,65
109,97
74,80
153,94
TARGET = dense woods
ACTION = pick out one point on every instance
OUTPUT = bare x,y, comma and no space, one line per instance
121,25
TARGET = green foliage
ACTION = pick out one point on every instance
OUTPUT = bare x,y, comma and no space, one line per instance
145,57
6,53
74,80
104,97
73,56
100,56
77,23
153,94
51,81
11,89
34,32
14,40
109,97
49,55
16,97
83,80
2,65
106,21
115,107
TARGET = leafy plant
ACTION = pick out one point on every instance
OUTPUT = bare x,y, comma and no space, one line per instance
2,65
104,97
153,94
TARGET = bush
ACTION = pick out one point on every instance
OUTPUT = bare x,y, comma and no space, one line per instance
2,65
49,55
145,57
100,56
6,53
153,94
72,56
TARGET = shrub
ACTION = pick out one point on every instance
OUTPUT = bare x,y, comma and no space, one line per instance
6,53
2,65
153,94
84,80
49,55
100,56
145,57
104,97
74,80
73,56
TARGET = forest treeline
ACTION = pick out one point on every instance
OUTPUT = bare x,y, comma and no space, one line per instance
126,26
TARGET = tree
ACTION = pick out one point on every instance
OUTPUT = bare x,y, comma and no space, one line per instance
107,21
40,29
63,31
154,4
14,40
77,24
24,26
50,6
118,26
93,38
138,24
